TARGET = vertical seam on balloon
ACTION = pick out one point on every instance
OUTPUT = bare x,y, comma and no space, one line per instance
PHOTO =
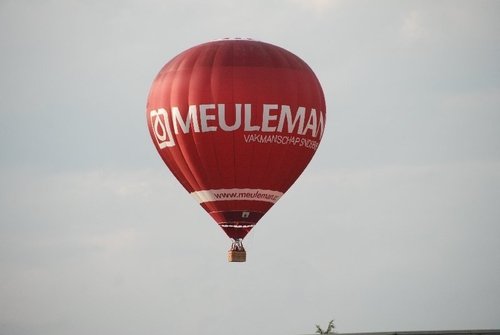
191,132
290,179
235,170
248,178
192,172
194,138
214,150
269,148
171,163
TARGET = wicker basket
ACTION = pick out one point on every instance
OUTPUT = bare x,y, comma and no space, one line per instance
236,256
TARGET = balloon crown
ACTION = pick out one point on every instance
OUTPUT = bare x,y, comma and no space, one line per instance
235,39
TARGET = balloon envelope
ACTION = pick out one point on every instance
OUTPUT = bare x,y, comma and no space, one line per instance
236,121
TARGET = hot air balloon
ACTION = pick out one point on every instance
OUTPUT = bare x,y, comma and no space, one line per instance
236,121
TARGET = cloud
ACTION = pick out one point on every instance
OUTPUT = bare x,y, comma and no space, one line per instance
476,102
318,6
413,26
113,242
97,211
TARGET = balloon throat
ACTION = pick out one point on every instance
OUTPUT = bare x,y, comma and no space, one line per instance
237,245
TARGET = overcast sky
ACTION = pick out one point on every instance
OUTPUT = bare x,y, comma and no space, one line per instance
395,225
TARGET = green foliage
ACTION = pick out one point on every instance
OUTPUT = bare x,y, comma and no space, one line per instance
329,329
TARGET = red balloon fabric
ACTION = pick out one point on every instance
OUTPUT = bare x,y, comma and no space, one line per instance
236,121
